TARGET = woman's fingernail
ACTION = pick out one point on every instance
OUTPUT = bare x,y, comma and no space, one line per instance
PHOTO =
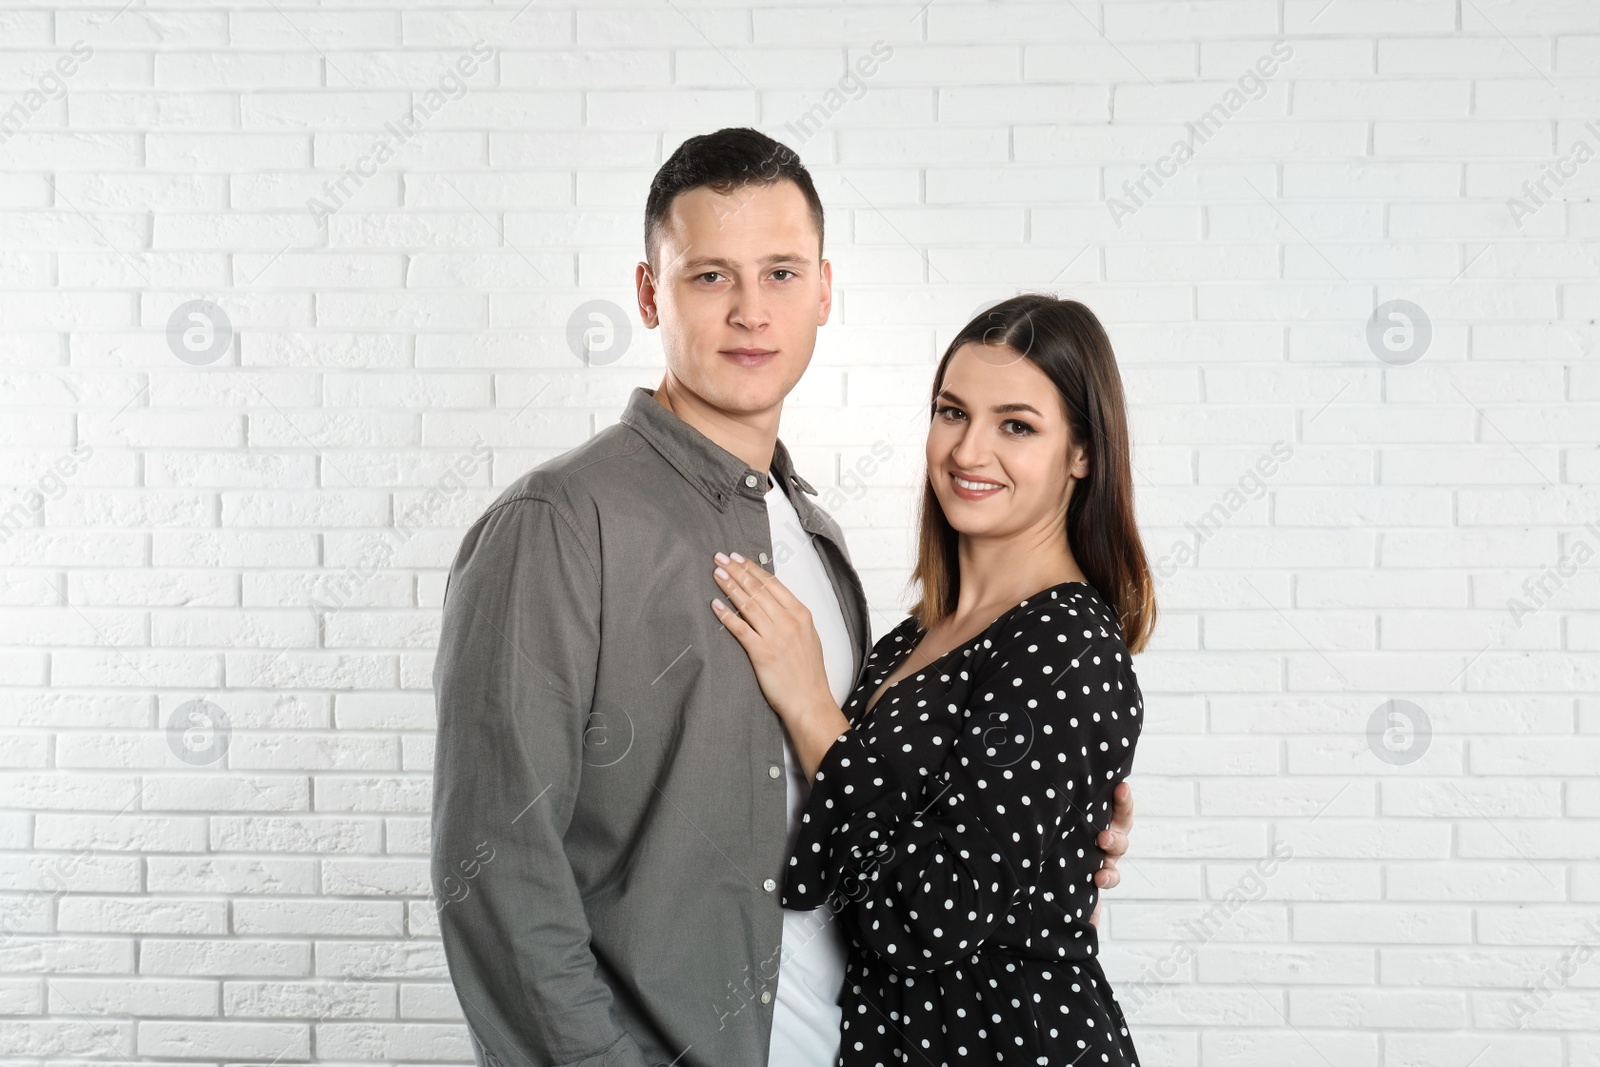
721,573
721,557
718,604
738,557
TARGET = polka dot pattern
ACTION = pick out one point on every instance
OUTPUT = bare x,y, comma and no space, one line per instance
953,829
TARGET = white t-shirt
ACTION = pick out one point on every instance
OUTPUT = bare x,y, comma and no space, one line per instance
805,1016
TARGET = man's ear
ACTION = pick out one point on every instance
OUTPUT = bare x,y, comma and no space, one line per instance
825,272
644,285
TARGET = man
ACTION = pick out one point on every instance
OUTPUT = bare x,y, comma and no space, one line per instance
613,798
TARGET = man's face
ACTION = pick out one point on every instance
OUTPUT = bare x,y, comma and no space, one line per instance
739,291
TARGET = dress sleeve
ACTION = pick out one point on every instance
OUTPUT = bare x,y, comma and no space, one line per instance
928,867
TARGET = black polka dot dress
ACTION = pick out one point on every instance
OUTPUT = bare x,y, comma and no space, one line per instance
952,829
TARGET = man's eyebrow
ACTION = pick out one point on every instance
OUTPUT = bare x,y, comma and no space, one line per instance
729,264
998,409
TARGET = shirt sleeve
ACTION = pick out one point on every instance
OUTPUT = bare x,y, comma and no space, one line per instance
927,867
514,679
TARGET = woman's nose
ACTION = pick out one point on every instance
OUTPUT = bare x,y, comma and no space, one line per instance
968,452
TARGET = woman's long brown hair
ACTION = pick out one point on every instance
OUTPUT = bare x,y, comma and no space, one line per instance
1064,340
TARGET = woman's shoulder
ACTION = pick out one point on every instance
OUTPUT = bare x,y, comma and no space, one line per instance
1066,641
1071,614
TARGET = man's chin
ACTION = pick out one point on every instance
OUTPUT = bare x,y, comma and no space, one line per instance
746,391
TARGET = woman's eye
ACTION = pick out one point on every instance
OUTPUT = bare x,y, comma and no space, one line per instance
1015,427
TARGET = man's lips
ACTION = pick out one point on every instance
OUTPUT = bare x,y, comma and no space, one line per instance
750,357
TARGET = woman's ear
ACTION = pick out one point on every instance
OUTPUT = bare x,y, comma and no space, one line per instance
1079,467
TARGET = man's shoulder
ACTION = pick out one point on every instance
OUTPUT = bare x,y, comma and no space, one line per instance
569,487
572,481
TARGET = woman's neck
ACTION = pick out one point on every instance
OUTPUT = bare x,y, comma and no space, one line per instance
996,576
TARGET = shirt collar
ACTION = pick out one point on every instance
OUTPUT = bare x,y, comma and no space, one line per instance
716,472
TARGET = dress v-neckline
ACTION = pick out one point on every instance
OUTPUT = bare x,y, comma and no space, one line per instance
881,690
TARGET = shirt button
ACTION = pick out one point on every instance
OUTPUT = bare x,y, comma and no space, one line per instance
774,771
766,998
769,885
750,479
762,557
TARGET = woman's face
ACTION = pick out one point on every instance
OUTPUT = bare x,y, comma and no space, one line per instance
1000,423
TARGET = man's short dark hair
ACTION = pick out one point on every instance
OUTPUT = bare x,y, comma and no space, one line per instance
724,161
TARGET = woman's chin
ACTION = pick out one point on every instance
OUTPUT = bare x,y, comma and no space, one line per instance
960,514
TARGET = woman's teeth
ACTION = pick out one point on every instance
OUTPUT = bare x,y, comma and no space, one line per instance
963,483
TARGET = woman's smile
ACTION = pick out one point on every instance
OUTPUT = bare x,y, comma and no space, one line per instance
973,489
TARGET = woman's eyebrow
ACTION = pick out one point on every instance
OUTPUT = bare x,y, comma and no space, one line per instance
998,409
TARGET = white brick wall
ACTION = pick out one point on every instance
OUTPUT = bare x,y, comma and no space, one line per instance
270,531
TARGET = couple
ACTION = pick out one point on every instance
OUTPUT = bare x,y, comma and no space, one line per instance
685,810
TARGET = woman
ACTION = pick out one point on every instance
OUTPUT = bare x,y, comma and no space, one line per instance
956,798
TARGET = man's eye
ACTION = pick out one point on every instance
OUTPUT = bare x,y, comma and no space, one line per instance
709,274
784,270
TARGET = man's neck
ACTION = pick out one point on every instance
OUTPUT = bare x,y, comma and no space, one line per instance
750,437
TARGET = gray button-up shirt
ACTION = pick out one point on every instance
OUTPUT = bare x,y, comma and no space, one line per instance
608,832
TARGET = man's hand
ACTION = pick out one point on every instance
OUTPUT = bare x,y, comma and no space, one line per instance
1114,842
